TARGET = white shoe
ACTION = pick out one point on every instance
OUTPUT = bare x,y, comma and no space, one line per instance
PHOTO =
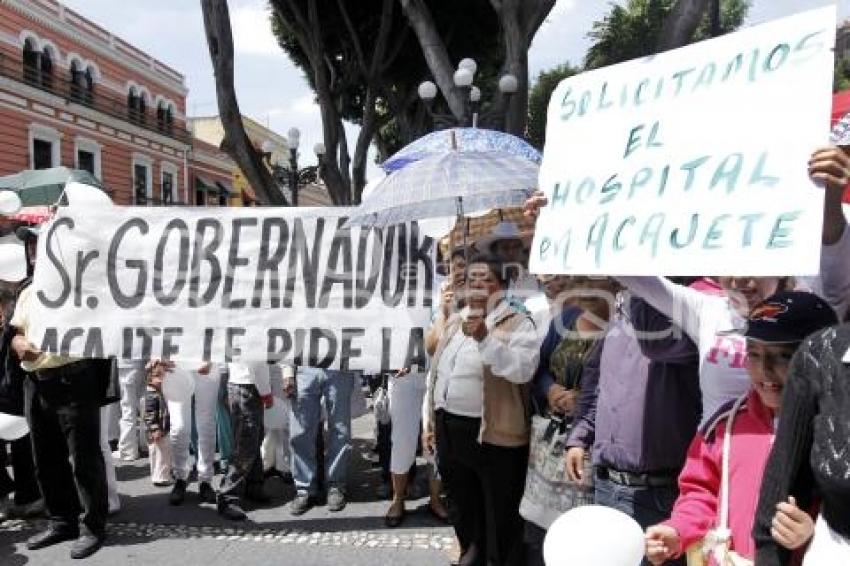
118,456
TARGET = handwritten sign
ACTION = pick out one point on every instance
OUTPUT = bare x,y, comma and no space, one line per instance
252,284
693,161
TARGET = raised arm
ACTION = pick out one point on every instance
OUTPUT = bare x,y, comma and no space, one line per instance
660,340
830,167
681,304
515,360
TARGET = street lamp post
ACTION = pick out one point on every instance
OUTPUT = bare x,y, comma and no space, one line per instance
293,139
285,171
463,78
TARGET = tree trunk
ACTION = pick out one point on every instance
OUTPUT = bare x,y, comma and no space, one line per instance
436,54
681,23
520,20
516,63
235,143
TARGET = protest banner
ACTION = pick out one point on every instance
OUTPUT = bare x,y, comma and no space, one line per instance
251,284
693,161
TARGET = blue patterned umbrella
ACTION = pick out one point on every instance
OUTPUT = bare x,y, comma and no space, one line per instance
840,134
448,184
467,139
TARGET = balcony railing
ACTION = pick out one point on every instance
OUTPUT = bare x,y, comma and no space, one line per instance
113,106
143,200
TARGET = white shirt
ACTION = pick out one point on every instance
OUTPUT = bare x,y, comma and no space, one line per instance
459,387
833,283
257,374
541,311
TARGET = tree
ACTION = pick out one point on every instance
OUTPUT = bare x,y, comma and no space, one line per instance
235,143
344,51
518,21
644,27
842,74
538,101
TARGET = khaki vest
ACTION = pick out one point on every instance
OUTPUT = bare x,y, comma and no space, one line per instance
506,414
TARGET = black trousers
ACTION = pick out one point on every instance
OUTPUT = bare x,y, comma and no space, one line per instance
484,485
245,466
23,483
62,407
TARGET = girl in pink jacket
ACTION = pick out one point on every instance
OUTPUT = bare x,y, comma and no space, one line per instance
704,509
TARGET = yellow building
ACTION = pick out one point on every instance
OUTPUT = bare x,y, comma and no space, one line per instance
211,130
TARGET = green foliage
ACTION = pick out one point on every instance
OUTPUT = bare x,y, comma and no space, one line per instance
469,29
633,30
538,101
841,79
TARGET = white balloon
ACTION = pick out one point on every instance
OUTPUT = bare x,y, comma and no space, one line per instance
85,195
275,416
178,386
13,259
593,535
10,203
12,427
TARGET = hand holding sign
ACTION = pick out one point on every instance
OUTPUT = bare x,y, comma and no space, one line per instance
830,166
642,176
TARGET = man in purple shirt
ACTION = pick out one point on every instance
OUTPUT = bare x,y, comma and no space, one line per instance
638,410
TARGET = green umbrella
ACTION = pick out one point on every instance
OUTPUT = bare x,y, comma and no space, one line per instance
44,187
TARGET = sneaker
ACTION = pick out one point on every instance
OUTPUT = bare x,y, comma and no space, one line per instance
336,500
119,456
206,493
178,492
301,504
231,511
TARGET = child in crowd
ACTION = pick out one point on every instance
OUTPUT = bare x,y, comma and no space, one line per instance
720,483
157,424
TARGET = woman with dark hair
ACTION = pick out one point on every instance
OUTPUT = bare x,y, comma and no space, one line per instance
479,401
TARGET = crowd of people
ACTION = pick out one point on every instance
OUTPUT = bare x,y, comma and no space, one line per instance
714,411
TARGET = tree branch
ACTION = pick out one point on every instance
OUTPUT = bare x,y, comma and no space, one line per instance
355,38
235,143
435,52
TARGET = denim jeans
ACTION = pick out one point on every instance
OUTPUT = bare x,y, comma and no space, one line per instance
245,466
646,505
315,385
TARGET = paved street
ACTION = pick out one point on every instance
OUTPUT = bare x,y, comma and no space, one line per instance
149,531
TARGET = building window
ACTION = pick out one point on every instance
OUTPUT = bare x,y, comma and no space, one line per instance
31,62
46,69
85,161
87,156
44,143
81,83
42,154
165,117
169,183
142,180
136,106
